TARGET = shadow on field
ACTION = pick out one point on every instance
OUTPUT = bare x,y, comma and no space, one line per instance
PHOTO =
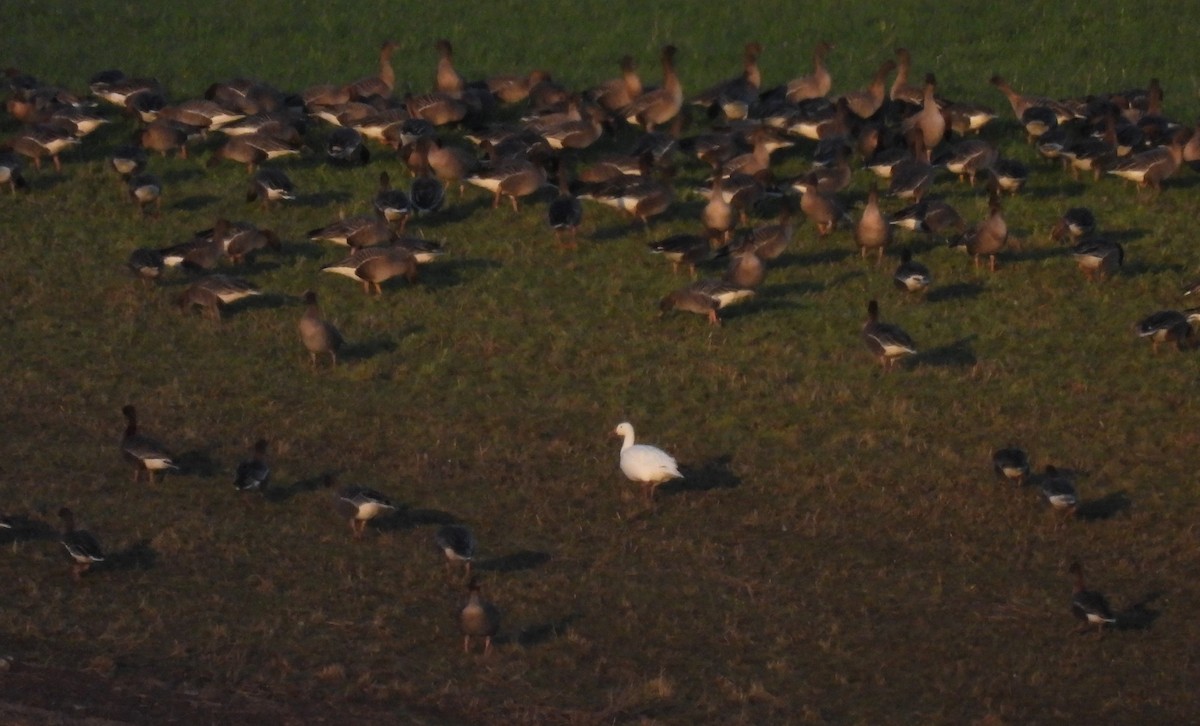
825,257
957,354
366,349
454,212
541,633
25,529
196,202
716,473
279,495
1108,506
137,556
409,518
1138,616
196,463
515,562
452,273
956,291
323,198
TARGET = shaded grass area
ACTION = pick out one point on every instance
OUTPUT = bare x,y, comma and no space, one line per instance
838,550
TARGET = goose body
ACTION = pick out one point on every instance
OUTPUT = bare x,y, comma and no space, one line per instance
1011,463
347,145
392,204
271,185
988,237
373,266
478,618
888,343
143,452
144,190
873,230
565,212
513,178
253,474
359,505
684,249
147,264
362,230
457,543
82,546
658,106
816,84
704,297
213,291
318,334
1074,224
1098,257
910,275
1089,606
10,172
647,465
44,140
1168,326
1058,491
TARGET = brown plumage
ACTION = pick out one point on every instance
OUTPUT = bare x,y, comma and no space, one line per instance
318,334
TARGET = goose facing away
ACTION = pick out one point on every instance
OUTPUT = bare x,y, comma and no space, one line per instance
889,343
254,474
1168,326
211,292
143,452
1089,606
478,618
359,505
318,334
1059,492
82,547
1011,463
647,465
910,275
457,543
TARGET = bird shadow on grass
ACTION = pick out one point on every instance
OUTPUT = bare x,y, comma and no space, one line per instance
196,202
323,198
303,249
824,257
279,495
137,556
452,273
268,301
1141,267
539,633
197,463
181,175
450,214
25,529
715,473
957,354
411,518
955,291
514,562
1138,616
1106,507
791,288
619,230
361,350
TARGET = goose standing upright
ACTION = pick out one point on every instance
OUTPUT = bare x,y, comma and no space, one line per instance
662,104
889,343
82,547
873,230
816,84
143,452
478,618
647,465
254,473
318,334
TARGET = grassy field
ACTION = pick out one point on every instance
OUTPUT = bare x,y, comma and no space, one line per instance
838,551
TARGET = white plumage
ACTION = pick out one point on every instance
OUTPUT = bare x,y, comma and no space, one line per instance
647,465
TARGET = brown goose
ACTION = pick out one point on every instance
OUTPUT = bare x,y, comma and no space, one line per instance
929,122
478,618
379,85
659,106
143,452
888,343
865,102
44,140
163,136
718,216
988,237
447,79
373,266
823,210
82,546
318,334
734,96
512,178
211,292
816,84
1021,103
704,297
617,93
144,190
363,230
901,89
437,108
1148,169
874,230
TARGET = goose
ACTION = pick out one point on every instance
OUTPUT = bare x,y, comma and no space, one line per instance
816,84
380,85
253,474
864,103
427,193
512,178
44,140
515,88
450,164
901,89
164,136
373,266
251,150
457,543
282,125
718,216
1074,224
1059,492
144,190
200,114
704,297
823,210
362,230
478,618
392,204
127,160
969,158
617,93
966,118
271,185
889,343
873,230
439,109
1089,606
119,88
78,122
1011,463
358,505
763,141
988,237
770,241
1037,122
423,250
447,78
1168,326
911,179
1098,257
240,240
143,452
656,107
639,195
212,291
201,252
318,334
81,545
1008,175
1094,154
1020,103
929,123
735,95
565,212
346,145
145,263
833,178
10,173
685,249
646,465
910,275
1151,167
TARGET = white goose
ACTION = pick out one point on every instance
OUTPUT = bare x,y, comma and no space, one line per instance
647,465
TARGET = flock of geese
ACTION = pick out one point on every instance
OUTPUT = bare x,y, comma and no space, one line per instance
565,142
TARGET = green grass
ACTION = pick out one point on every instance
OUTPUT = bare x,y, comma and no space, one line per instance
839,552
